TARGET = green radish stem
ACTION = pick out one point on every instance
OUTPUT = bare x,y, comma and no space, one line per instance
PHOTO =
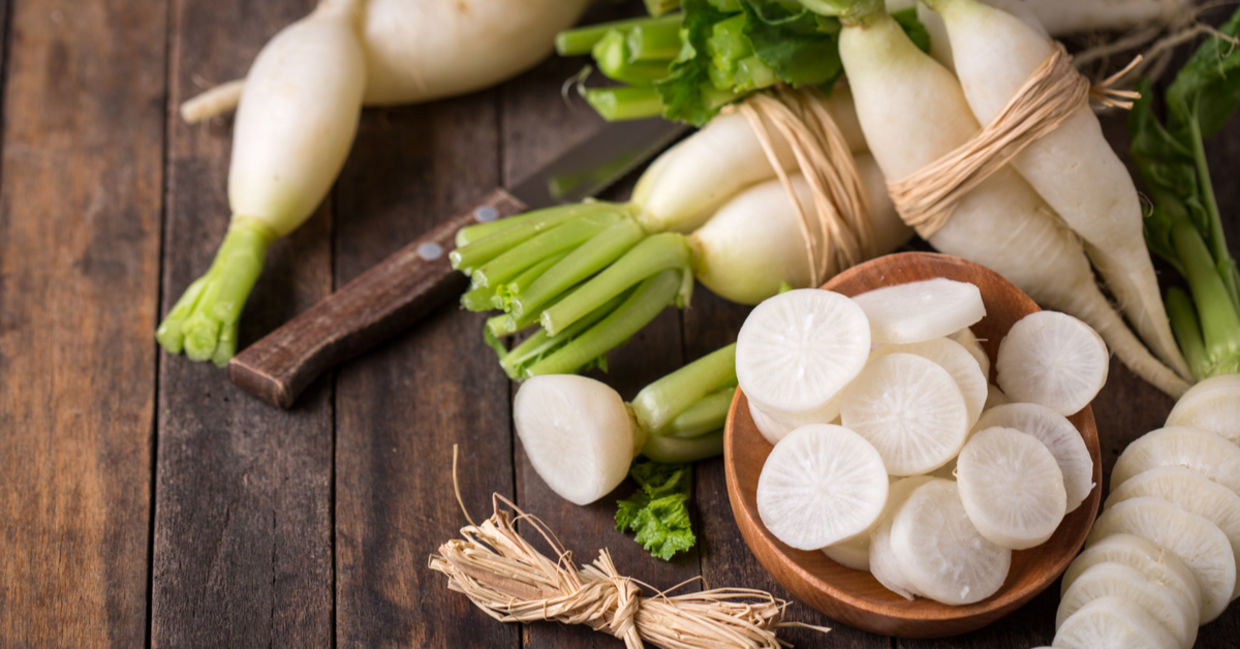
620,103
575,42
560,238
657,40
660,402
585,260
540,344
505,294
485,241
1215,336
614,59
706,414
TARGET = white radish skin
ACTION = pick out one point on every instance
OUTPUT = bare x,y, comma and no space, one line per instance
755,242
1059,436
1072,168
940,45
1167,607
1192,492
1159,566
912,111
296,120
423,50
1011,487
1212,405
1197,542
711,166
578,434
1205,453
1112,623
820,485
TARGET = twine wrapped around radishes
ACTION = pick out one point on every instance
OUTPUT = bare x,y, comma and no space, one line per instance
297,113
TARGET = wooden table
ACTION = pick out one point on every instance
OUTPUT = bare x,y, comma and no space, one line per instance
144,500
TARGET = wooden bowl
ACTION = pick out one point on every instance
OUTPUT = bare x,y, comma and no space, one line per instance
855,597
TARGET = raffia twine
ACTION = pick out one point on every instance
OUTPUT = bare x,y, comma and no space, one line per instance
926,199
838,231
502,573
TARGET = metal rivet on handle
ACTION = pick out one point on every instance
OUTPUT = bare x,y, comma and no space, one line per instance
430,251
486,213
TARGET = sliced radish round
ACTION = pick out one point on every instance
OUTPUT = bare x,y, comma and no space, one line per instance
941,551
1011,487
1205,453
577,433
1061,438
974,346
953,357
797,350
1112,623
820,485
910,409
882,560
1170,609
1053,359
932,308
1200,544
1192,492
1212,405
1158,565
851,553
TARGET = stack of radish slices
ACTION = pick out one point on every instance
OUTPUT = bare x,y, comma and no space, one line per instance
1162,557
893,454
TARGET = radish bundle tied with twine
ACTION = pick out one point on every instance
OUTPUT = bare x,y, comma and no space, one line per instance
502,573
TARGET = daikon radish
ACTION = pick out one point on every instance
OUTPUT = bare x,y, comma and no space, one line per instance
1205,453
1112,623
959,363
917,311
1108,579
1158,565
1052,359
1011,487
1061,438
1212,405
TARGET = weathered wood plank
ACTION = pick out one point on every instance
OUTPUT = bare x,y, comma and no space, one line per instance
79,260
402,407
242,545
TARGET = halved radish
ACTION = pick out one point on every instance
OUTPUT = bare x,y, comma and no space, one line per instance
974,346
910,409
1200,544
1061,438
1053,359
1112,623
797,350
820,485
1192,492
917,311
1011,487
1158,565
1203,452
1212,405
953,357
940,550
882,560
1169,608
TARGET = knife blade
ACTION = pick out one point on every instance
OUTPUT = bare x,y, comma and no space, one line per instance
389,297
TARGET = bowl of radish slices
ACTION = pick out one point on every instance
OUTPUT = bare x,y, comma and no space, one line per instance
878,473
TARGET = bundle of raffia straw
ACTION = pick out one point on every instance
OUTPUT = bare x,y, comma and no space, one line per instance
510,580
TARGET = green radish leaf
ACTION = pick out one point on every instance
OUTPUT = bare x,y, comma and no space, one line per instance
658,511
1207,88
800,46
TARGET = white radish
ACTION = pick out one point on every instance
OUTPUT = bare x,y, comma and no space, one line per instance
755,242
910,409
1192,492
882,560
917,311
941,552
1011,487
1053,359
913,111
797,350
1072,168
1112,623
1168,608
940,45
974,346
1205,453
959,363
775,427
1059,436
1212,405
820,485
851,553
1156,564
1197,542
573,431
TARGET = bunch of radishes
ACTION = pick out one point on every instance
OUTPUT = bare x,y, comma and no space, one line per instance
884,456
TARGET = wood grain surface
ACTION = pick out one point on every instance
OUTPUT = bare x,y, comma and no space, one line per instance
147,501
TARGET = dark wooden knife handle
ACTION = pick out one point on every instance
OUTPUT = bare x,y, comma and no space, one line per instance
376,305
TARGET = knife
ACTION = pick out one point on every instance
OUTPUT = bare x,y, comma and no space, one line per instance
398,291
